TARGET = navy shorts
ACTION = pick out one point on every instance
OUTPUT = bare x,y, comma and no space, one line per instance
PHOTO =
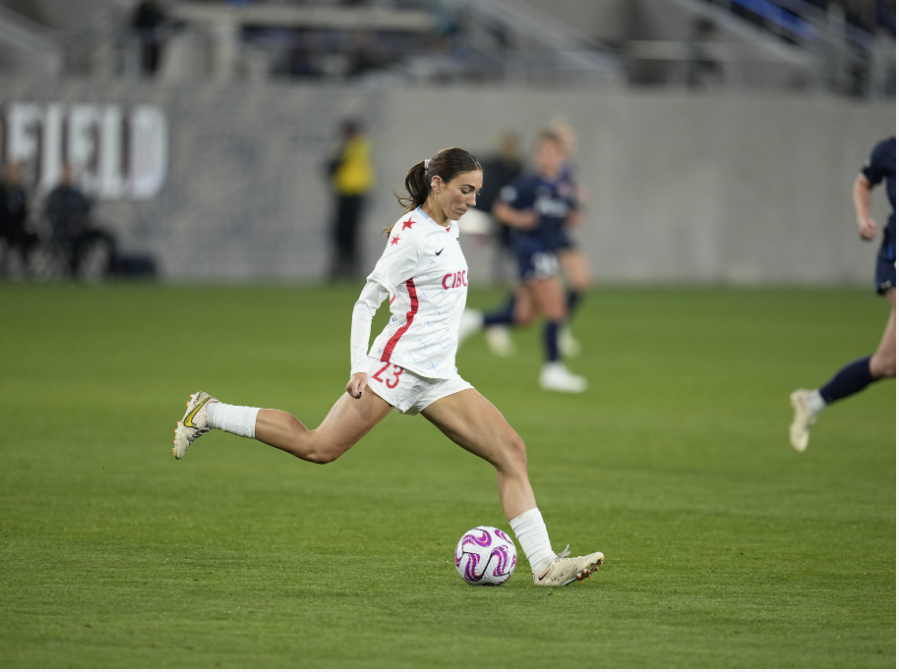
534,261
885,274
559,240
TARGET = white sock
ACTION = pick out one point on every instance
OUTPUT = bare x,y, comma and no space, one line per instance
240,420
534,539
814,403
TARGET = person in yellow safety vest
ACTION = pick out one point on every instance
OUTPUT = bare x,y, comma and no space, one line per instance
352,177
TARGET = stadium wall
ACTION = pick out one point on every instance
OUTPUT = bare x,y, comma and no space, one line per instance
682,188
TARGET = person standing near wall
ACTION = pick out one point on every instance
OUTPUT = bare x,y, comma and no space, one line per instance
501,169
352,177
14,214
69,212
147,22
857,375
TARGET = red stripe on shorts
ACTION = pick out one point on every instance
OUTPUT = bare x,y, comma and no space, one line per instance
410,315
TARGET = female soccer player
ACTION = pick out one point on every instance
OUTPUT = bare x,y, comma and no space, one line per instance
537,206
857,375
411,368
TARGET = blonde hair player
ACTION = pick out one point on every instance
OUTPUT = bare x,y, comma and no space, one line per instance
411,367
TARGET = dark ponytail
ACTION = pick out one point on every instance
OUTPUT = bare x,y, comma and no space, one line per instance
418,186
447,163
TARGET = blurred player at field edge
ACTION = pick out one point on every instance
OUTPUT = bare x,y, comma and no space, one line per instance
537,207
857,375
411,367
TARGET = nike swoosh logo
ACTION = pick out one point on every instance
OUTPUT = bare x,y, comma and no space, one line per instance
188,421
441,250
545,573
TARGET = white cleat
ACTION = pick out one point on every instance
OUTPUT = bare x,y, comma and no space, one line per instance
193,425
557,378
568,344
564,570
472,321
499,341
802,420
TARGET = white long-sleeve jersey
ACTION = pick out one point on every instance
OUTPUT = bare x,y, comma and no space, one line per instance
424,271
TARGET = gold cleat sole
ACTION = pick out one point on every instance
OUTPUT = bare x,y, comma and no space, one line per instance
585,573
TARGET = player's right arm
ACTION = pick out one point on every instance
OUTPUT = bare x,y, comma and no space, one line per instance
512,207
371,298
518,219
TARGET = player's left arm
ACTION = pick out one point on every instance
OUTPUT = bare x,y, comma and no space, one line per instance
861,198
575,217
576,213
872,174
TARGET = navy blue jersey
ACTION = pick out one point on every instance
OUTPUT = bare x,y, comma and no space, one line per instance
882,166
553,201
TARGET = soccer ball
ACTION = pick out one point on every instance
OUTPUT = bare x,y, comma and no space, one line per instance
485,556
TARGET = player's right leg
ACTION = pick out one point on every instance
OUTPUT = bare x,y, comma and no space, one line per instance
346,423
883,362
472,422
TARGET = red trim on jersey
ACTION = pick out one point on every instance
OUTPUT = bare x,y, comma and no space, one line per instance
410,315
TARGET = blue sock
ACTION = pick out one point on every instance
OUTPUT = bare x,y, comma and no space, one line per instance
852,378
504,315
551,338
574,297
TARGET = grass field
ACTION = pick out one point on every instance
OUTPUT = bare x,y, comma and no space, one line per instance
724,548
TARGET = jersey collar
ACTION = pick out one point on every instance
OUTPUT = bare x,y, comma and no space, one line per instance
422,213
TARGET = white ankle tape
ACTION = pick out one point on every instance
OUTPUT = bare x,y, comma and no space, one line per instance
240,420
531,532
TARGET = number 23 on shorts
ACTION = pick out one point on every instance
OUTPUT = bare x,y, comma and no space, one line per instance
390,383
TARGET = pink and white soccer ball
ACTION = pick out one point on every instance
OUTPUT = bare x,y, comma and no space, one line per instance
486,556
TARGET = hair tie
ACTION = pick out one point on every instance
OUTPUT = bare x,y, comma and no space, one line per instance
427,161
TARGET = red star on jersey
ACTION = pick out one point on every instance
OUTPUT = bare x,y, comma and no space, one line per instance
407,224
394,241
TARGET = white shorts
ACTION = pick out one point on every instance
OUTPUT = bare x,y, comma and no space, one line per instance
408,392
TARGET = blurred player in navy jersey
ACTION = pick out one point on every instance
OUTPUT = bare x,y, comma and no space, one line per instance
574,265
537,206
857,375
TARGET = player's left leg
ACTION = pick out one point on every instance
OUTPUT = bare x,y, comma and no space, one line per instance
346,423
472,422
577,274
576,270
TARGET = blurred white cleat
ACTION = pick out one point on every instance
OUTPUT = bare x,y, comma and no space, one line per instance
499,341
557,378
568,344
471,322
803,419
